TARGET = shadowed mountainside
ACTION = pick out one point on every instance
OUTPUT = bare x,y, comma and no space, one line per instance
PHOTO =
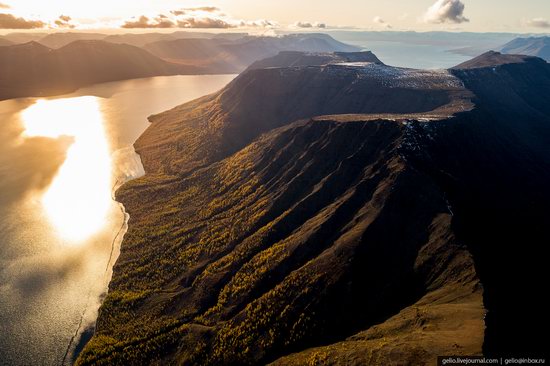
31,69
532,46
222,55
499,188
219,125
332,218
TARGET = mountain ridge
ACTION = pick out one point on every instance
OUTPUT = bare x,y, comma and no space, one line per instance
79,59
221,55
32,69
280,245
532,46
495,59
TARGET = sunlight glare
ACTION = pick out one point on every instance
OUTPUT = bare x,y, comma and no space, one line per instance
78,200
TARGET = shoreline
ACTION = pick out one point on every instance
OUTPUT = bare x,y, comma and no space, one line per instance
85,333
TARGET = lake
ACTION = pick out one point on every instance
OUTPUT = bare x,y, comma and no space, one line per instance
60,229
418,56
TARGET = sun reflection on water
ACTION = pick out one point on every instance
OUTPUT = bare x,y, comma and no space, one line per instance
78,200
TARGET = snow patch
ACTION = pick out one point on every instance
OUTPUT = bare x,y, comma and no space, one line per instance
398,77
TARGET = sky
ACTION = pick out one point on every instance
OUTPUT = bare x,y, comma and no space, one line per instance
526,16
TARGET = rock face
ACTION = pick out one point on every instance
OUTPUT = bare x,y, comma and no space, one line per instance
532,46
345,213
233,55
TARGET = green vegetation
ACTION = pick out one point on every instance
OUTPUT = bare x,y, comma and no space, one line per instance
243,261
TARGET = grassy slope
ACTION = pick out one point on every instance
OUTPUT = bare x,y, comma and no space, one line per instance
331,240
269,253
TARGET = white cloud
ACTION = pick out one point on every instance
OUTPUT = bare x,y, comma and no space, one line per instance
260,23
538,23
446,11
199,17
146,22
204,22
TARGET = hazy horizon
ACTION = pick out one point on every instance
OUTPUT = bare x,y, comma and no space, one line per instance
238,15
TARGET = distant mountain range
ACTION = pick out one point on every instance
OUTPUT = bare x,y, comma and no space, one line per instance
141,40
23,37
77,59
58,40
31,69
330,209
5,42
220,55
532,46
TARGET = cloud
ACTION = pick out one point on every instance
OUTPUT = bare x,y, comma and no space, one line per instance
4,6
64,21
207,9
204,23
189,22
204,9
260,23
205,17
310,25
8,21
378,20
145,22
539,23
443,11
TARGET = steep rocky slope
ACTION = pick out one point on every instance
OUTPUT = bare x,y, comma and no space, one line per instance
348,213
499,187
201,132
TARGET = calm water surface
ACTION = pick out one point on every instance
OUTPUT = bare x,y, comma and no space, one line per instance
416,56
60,229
